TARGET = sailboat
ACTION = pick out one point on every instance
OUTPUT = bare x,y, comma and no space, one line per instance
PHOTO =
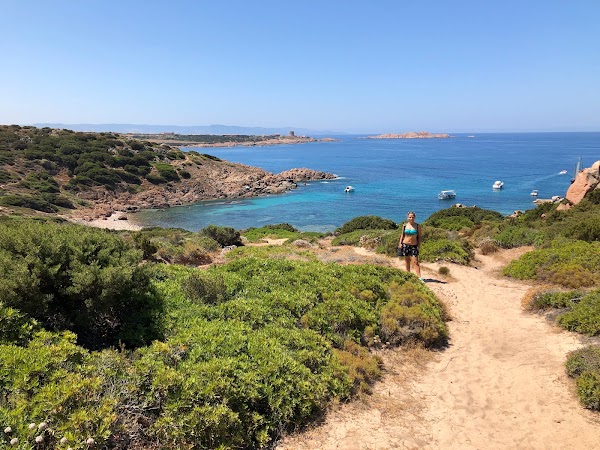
577,169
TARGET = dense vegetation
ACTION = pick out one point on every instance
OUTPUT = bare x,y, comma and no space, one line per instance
43,169
241,351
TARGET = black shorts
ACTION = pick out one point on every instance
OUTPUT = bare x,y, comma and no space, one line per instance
408,250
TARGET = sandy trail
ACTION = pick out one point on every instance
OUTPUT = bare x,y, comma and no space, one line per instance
501,383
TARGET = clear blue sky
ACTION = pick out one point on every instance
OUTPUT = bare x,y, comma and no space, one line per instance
351,66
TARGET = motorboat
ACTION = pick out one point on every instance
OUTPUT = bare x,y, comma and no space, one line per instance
534,193
562,172
348,189
498,185
445,195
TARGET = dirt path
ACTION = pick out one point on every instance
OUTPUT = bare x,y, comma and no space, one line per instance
501,383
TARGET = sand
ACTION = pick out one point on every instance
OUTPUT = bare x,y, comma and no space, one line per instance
113,222
500,384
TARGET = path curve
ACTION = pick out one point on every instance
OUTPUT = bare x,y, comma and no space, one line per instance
500,384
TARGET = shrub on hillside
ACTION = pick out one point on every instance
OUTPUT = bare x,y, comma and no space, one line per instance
455,217
223,235
584,316
571,263
488,246
456,251
584,366
28,201
518,236
77,278
366,223
413,315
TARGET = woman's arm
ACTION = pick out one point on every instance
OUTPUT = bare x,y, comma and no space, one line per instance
401,236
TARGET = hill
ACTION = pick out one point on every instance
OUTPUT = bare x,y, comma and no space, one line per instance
49,170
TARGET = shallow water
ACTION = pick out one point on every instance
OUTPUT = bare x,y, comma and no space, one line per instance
394,176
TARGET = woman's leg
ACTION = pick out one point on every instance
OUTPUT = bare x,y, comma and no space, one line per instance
415,260
407,261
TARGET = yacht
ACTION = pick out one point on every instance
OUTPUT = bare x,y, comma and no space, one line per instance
534,193
498,185
444,195
348,189
562,172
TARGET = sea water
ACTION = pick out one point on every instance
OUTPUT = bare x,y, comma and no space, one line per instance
393,176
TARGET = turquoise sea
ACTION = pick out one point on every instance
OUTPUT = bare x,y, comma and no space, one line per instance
394,176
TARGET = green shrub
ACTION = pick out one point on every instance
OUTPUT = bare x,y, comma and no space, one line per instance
488,246
155,178
443,270
366,223
78,278
412,315
353,238
15,327
517,236
27,201
455,217
586,229
554,299
446,250
593,197
588,389
223,235
583,360
584,317
572,264
166,171
203,287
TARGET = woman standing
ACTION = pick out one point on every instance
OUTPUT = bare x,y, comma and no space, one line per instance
410,241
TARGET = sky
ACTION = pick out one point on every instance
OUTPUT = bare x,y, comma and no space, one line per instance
377,66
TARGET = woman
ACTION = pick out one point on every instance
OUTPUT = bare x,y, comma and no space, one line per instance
410,241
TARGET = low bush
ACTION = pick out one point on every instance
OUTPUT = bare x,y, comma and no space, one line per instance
518,236
443,270
455,218
78,278
28,201
457,252
413,315
584,316
570,263
488,246
584,366
366,223
225,236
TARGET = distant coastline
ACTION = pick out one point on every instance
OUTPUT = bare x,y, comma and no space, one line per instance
412,135
207,141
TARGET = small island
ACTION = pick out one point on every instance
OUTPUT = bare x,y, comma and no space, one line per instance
412,135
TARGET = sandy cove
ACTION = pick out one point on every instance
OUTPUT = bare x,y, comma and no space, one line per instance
500,384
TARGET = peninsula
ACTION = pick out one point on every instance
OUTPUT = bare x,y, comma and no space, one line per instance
93,175
226,140
412,135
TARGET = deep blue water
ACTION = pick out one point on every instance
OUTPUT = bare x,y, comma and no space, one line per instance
392,177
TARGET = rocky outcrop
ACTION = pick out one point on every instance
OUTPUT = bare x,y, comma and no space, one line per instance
412,135
586,180
208,180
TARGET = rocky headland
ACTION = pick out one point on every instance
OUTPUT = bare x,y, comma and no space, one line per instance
209,141
412,135
208,181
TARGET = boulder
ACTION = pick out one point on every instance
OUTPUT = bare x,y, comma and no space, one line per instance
586,180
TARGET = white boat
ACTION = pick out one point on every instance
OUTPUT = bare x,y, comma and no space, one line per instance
498,185
562,172
444,195
348,189
534,193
